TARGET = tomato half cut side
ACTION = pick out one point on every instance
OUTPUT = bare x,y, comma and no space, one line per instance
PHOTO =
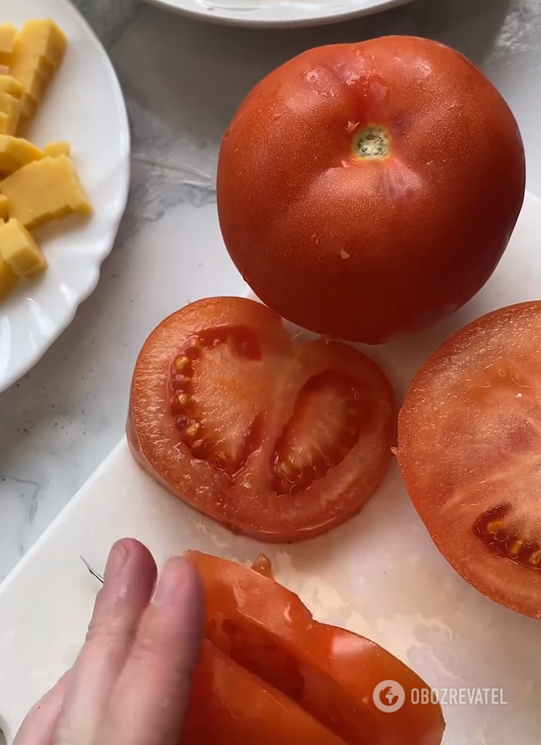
469,447
329,672
276,438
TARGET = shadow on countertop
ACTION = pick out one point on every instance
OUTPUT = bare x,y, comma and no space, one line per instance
468,25
188,76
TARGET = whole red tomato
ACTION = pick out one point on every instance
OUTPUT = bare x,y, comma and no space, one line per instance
366,190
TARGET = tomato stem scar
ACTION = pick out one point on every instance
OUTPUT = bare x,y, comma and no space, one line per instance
371,143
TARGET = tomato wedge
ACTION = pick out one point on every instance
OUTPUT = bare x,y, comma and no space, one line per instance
469,446
230,706
319,678
276,438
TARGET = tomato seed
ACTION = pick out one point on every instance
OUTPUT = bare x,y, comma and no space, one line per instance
181,363
535,558
194,429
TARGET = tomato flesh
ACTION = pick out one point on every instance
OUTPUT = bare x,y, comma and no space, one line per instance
274,437
468,445
325,672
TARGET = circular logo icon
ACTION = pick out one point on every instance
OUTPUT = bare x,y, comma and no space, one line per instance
389,696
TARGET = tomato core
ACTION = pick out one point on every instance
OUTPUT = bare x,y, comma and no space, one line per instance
372,143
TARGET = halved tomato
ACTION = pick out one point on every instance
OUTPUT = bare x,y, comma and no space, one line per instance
469,446
319,678
276,438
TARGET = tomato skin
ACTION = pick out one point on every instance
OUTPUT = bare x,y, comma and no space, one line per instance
322,652
364,250
247,501
468,439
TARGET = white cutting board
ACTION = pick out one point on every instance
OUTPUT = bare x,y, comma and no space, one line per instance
379,575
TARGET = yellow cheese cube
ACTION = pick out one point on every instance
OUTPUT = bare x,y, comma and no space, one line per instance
4,207
7,122
9,84
10,122
15,152
40,45
6,102
31,51
8,32
10,111
28,107
20,250
8,279
54,149
34,84
38,52
45,190
29,65
45,28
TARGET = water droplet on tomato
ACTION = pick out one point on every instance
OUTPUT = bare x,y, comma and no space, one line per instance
311,76
287,617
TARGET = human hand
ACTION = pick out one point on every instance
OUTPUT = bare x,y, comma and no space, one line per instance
130,684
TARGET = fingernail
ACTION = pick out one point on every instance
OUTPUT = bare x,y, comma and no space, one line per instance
118,558
173,583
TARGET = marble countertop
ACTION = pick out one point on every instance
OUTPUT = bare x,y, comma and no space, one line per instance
182,81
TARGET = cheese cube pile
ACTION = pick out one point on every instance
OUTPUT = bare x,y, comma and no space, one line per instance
38,51
31,58
36,185
11,91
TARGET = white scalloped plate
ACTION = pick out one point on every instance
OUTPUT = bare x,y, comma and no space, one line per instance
277,13
84,105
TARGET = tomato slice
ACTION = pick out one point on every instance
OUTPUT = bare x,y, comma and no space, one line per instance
469,444
231,706
326,672
276,438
